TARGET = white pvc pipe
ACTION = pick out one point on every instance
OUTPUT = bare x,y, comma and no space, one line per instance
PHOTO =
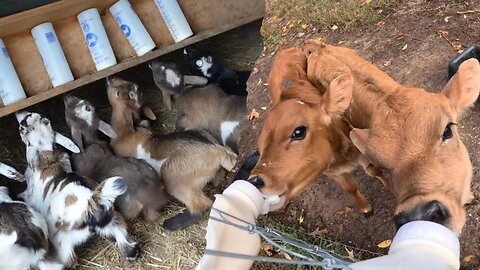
132,27
11,89
174,19
52,54
96,38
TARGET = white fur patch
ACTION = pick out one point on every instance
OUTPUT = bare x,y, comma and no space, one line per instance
172,78
226,129
155,163
300,102
13,256
205,67
81,113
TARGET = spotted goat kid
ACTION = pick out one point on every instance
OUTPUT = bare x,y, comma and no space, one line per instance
75,207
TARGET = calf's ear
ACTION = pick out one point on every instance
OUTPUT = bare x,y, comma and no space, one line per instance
463,88
338,96
359,138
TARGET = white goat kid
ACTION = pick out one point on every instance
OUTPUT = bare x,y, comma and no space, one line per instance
74,207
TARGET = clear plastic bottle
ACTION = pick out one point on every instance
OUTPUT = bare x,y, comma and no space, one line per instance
242,200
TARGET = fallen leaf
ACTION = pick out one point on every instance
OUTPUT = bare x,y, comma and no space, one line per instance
300,34
285,255
268,250
346,212
334,27
380,23
400,37
318,232
263,108
387,63
456,45
385,244
468,258
447,18
254,114
404,47
366,2
341,42
301,219
350,256
443,32
304,26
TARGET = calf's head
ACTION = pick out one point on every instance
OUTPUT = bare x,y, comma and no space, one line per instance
414,138
296,143
37,133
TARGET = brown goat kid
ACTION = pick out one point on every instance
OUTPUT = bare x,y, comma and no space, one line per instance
412,134
186,161
207,107
304,136
145,191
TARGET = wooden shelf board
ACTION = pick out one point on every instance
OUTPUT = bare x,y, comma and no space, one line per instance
121,66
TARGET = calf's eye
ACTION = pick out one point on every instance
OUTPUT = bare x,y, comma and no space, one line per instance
447,133
299,133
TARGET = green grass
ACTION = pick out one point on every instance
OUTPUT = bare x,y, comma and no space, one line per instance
323,13
336,248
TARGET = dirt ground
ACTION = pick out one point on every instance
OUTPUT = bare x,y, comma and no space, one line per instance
413,44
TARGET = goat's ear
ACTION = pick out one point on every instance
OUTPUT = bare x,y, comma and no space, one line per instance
195,80
66,142
77,138
21,115
463,88
11,173
129,120
359,138
149,113
106,129
338,96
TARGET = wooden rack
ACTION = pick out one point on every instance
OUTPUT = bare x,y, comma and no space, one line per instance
206,18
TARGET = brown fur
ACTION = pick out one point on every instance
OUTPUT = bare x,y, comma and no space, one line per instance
192,158
200,107
407,126
288,166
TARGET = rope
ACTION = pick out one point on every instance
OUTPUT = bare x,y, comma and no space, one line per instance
328,262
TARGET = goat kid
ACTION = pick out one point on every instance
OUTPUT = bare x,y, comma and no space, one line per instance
186,160
304,135
409,133
74,207
23,231
207,107
202,63
145,191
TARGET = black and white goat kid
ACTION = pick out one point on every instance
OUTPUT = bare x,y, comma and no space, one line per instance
202,63
74,207
23,232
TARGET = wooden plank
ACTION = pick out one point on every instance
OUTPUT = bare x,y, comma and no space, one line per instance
8,7
126,64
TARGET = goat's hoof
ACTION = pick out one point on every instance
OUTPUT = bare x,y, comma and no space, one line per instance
132,253
181,221
368,214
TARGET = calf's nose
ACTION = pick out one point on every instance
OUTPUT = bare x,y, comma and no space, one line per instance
256,181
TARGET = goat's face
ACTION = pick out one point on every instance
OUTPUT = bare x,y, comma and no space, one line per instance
166,75
37,132
79,109
414,138
295,143
199,61
124,94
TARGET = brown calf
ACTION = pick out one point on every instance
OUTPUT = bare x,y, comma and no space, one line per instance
303,135
412,136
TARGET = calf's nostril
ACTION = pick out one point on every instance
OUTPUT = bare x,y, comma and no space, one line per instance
257,181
